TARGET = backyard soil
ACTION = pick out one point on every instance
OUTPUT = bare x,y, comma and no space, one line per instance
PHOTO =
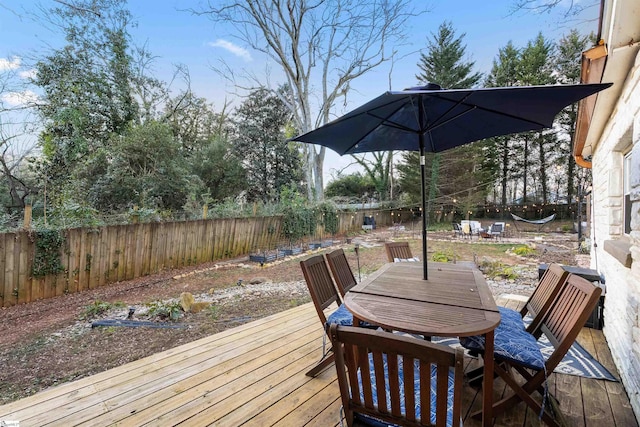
49,342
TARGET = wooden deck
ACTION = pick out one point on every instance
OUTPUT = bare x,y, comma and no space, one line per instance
254,375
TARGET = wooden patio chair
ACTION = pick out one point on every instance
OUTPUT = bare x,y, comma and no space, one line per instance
323,294
539,303
399,251
536,308
342,273
518,356
397,379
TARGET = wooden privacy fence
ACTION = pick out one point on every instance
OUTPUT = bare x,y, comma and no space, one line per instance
93,257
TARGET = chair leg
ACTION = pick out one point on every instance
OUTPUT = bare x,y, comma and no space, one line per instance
521,394
322,365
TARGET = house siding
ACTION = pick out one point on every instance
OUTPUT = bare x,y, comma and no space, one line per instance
622,302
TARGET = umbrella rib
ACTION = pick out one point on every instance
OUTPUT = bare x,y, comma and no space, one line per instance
435,123
475,106
387,122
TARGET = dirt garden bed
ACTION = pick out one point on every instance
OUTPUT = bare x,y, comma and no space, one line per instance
52,341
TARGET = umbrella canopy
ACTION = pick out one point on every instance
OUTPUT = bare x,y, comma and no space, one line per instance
430,119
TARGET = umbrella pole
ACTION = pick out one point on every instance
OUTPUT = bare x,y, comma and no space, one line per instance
424,208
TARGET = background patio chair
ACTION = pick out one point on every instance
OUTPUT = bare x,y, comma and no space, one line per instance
466,230
382,376
399,251
517,353
457,229
323,294
497,229
342,273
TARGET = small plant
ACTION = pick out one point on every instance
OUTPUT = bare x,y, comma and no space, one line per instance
98,308
508,273
213,311
496,269
165,310
584,247
443,256
523,250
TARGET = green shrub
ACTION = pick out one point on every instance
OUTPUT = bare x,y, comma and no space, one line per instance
496,269
523,250
443,256
165,310
97,308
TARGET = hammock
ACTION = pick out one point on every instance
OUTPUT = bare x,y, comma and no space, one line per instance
540,222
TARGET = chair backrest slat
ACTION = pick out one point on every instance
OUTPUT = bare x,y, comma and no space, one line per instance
568,314
353,349
341,271
398,250
540,300
321,288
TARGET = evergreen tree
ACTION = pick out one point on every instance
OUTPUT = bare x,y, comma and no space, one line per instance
503,150
535,68
567,67
444,63
260,140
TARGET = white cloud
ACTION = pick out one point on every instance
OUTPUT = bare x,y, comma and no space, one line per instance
234,49
28,74
20,98
9,64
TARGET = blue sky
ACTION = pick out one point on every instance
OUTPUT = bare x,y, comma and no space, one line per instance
178,37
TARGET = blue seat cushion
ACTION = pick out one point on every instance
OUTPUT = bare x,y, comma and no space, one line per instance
378,423
511,344
510,318
342,316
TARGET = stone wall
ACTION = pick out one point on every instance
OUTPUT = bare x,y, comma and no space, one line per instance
622,301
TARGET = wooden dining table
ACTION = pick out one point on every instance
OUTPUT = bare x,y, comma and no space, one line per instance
454,302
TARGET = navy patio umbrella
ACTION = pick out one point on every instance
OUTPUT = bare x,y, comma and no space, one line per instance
431,119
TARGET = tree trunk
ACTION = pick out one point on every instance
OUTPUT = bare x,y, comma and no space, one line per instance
543,168
525,167
505,172
319,179
433,184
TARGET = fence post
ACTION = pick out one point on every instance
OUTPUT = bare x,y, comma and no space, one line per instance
26,223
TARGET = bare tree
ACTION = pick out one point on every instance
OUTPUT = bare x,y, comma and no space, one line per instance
320,46
16,125
571,8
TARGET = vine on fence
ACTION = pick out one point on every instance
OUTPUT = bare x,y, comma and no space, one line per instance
47,252
297,223
329,215
298,220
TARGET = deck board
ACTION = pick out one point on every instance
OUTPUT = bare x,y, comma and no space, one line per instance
254,374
